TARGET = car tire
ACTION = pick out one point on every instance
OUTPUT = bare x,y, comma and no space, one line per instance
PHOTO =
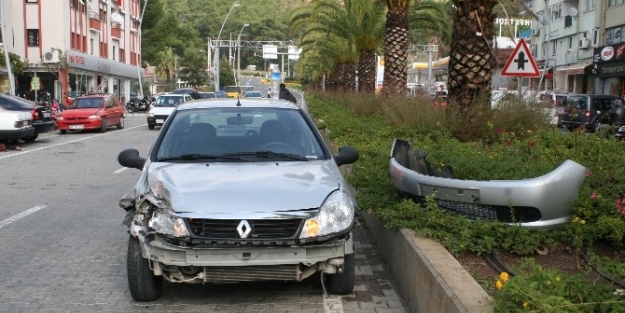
121,123
342,283
103,126
62,132
150,126
143,284
31,138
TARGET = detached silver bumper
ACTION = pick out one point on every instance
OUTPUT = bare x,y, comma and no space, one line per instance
168,254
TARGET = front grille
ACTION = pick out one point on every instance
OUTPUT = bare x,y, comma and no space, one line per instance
224,274
161,117
261,229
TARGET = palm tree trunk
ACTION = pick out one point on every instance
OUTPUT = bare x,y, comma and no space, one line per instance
366,72
471,60
396,47
349,77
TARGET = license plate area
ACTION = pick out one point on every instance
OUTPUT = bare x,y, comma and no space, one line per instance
76,126
452,194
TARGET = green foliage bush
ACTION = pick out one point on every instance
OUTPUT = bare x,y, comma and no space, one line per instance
513,142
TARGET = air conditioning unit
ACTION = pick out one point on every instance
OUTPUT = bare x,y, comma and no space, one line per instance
51,57
584,43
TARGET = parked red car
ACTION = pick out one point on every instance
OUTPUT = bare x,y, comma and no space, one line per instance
92,112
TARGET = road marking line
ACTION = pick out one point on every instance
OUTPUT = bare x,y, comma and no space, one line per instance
68,142
120,170
20,215
332,304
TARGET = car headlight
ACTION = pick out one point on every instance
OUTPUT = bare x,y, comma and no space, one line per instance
167,224
94,117
336,215
59,118
150,114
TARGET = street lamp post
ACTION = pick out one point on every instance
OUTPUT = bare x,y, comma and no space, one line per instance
216,63
238,78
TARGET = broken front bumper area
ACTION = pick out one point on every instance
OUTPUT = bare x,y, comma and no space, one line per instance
235,264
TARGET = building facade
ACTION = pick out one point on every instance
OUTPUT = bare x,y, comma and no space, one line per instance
568,38
75,47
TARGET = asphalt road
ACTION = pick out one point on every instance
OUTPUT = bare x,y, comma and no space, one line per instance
63,248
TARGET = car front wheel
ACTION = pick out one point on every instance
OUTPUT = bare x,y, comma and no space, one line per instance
342,283
143,284
103,126
31,138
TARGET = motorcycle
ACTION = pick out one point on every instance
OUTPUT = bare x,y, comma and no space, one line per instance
138,105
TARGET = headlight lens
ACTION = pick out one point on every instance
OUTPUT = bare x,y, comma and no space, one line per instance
94,117
336,215
167,224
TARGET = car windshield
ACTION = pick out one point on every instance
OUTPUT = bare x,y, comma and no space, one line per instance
168,101
85,103
15,103
231,89
252,94
240,135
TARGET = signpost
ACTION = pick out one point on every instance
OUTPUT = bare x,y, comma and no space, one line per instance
520,64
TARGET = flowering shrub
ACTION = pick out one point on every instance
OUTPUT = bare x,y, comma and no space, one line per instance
500,145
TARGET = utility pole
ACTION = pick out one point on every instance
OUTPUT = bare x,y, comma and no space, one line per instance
7,59
238,71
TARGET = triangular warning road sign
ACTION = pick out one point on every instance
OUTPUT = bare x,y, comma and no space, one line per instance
521,62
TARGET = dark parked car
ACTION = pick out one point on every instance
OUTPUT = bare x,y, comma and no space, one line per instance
207,95
42,115
589,111
220,94
183,91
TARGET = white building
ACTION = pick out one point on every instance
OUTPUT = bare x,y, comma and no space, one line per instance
568,38
75,45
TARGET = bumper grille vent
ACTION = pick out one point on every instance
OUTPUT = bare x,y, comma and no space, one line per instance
224,274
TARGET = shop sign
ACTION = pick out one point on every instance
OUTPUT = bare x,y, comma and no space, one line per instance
75,59
614,69
609,53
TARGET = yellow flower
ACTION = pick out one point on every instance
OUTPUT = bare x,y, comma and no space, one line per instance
526,304
557,278
503,277
583,222
499,285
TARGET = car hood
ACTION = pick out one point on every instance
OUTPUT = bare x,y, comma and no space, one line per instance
84,112
209,189
162,110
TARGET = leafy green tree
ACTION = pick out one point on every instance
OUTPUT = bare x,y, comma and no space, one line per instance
226,75
193,67
166,64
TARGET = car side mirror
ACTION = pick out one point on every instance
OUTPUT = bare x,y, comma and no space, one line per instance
130,158
346,155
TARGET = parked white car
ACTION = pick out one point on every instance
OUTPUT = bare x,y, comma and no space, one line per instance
15,125
165,104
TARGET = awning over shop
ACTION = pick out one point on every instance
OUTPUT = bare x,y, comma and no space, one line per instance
572,69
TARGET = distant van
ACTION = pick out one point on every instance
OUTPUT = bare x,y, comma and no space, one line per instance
585,110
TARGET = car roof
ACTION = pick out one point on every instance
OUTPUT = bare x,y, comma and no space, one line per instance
232,103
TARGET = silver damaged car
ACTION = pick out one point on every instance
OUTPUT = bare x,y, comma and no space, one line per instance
239,190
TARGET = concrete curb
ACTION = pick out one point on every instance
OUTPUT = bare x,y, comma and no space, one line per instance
428,276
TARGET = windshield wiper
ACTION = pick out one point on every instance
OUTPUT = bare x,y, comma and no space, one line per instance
198,156
185,157
271,154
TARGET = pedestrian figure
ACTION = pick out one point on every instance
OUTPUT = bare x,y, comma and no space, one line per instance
286,94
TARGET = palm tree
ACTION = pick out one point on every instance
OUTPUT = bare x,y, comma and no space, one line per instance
471,60
359,22
430,23
166,62
396,46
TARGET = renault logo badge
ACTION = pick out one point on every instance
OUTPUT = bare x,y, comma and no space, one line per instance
244,229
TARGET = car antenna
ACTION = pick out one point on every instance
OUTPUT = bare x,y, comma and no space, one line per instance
239,99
